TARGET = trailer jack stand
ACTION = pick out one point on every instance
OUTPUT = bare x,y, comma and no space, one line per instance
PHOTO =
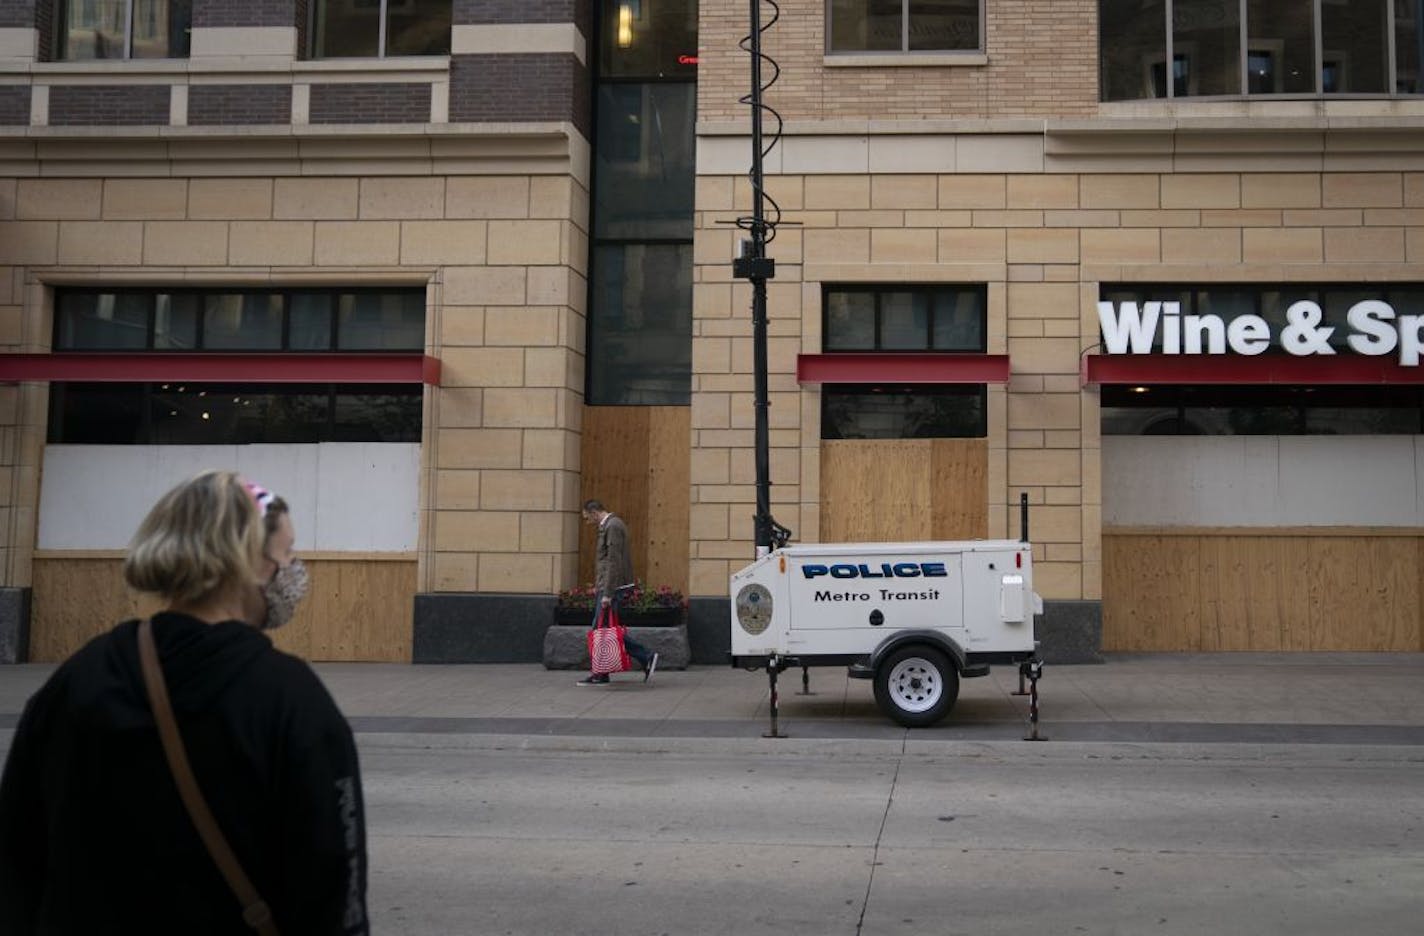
773,667
1033,669
805,681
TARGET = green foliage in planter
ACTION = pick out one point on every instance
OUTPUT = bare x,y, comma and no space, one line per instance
639,598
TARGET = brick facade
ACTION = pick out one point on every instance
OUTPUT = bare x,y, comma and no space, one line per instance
370,103
210,105
209,14
17,14
108,105
520,87
14,106
467,12
1042,62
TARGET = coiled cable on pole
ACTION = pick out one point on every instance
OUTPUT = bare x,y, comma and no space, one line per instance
760,225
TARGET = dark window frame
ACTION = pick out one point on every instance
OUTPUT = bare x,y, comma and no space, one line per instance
599,389
905,18
830,393
61,32
1325,51
64,429
1179,406
879,290
202,293
314,8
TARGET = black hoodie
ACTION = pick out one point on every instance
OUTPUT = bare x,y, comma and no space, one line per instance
93,836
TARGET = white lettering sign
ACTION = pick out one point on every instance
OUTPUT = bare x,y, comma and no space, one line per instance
1374,330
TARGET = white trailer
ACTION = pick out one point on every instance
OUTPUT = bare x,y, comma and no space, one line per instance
914,617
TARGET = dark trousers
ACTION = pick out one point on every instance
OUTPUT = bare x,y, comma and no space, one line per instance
635,650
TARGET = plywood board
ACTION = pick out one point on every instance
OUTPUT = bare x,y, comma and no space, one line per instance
357,610
903,490
637,461
1152,605
959,489
1262,592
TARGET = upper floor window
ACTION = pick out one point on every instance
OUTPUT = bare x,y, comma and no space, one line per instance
867,318
122,29
1231,48
905,26
380,28
235,320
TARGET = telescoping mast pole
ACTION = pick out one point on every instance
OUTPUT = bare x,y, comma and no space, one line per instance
754,265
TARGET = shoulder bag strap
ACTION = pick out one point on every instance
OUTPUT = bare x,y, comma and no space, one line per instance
254,909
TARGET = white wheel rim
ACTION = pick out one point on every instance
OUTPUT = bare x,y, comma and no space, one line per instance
915,685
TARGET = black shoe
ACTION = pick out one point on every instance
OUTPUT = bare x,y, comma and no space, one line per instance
649,667
594,680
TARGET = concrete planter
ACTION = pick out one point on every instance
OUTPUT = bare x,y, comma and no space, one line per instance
566,646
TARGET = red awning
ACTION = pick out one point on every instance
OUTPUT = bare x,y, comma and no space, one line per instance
1279,369
886,367
144,367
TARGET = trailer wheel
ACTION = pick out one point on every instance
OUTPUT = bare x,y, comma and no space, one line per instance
916,686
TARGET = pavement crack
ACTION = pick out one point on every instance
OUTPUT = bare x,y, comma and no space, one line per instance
880,834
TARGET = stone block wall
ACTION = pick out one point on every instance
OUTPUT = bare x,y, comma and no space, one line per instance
1042,242
504,261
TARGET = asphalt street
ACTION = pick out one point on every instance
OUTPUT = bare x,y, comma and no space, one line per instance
485,835
1244,793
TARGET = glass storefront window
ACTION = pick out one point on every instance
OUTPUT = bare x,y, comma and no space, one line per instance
101,321
1292,47
118,29
649,39
1133,47
904,321
1408,46
380,321
301,320
217,414
175,322
243,322
1256,410
850,321
309,321
640,278
851,411
1355,57
905,26
645,155
861,318
640,328
1280,48
379,28
1207,35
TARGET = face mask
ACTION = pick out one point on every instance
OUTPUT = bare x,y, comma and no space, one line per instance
284,592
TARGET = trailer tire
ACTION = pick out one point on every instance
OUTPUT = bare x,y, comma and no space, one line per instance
916,685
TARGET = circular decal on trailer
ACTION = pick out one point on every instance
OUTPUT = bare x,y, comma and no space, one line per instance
754,609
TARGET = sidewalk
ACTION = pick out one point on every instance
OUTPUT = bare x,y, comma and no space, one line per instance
1198,698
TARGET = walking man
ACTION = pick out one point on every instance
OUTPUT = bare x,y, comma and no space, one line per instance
613,572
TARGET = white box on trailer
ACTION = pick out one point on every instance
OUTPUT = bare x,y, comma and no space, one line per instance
906,611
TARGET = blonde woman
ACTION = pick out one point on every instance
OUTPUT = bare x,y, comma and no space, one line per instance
94,837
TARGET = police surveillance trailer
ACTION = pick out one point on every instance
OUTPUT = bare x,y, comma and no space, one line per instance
914,617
